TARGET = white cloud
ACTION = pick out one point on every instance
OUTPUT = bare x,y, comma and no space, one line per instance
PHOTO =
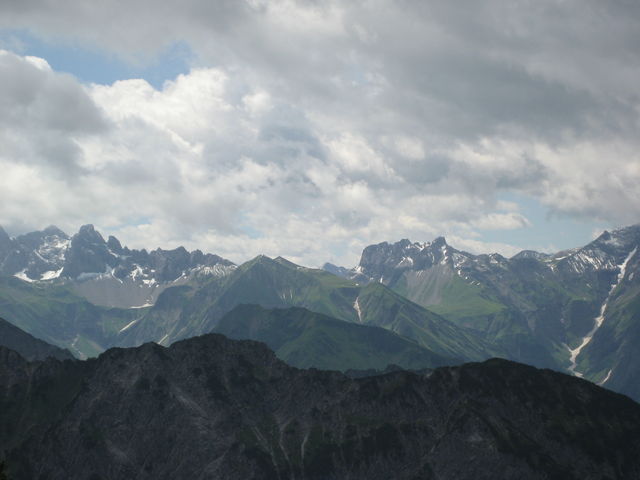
313,128
501,221
409,147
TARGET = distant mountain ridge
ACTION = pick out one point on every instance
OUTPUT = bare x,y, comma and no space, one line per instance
102,270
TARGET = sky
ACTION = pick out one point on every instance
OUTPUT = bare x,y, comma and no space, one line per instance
310,129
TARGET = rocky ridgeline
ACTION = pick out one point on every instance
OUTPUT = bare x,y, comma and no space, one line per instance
51,253
210,407
385,262
105,272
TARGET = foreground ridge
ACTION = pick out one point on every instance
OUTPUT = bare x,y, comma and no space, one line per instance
210,407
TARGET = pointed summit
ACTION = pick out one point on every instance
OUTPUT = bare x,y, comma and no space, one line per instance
114,244
89,234
439,242
260,260
285,262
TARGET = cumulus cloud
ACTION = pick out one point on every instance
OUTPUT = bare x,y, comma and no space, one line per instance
42,114
312,128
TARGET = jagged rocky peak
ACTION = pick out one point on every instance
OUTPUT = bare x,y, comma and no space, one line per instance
87,254
439,242
623,239
40,238
34,255
90,234
114,245
50,253
170,265
398,254
384,261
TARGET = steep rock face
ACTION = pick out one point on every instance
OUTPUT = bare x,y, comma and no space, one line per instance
35,255
102,271
88,254
27,345
385,262
209,407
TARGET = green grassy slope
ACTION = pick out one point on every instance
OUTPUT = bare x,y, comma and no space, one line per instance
383,307
56,315
307,339
279,283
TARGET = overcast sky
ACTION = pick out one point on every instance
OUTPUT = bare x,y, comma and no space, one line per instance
311,129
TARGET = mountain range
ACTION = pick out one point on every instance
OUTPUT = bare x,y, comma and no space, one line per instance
575,311
100,270
210,407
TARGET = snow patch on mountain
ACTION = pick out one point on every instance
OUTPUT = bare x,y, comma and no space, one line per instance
23,276
606,378
406,262
51,274
356,307
128,325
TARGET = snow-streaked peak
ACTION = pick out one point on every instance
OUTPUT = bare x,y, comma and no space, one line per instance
51,255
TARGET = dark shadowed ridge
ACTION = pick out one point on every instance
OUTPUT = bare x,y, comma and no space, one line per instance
210,407
27,345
